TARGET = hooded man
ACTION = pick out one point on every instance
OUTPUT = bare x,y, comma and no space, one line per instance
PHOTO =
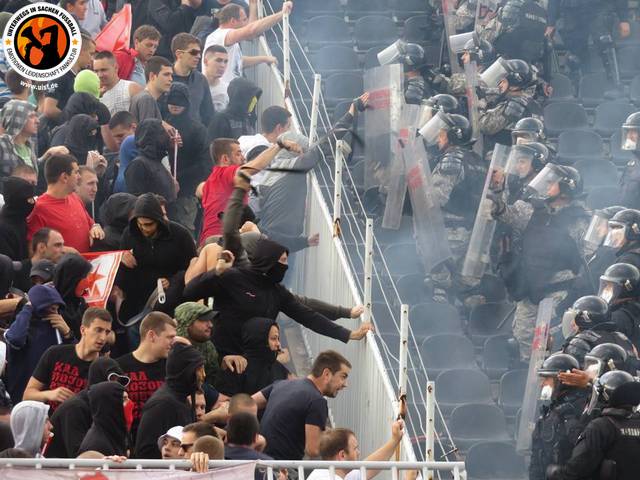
30,426
169,405
108,432
146,173
68,279
37,327
73,418
19,124
19,202
239,118
114,214
259,282
193,157
159,250
81,136
80,102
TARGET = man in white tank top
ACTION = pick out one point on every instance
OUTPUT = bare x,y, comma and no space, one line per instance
234,28
115,93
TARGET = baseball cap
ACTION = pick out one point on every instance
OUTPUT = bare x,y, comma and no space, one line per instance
43,269
173,432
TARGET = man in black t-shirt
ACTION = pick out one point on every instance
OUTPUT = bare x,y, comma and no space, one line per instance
296,410
146,365
63,369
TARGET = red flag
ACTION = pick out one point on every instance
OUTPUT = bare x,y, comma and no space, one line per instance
100,279
116,35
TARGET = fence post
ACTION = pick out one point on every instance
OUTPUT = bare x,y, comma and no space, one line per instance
430,427
368,270
286,51
315,108
404,348
342,151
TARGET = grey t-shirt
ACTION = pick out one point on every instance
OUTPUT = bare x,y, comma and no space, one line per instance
144,106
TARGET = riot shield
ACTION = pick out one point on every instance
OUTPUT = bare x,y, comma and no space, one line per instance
448,12
529,412
428,222
484,226
396,189
381,120
471,76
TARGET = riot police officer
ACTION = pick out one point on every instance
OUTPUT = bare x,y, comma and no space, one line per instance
458,178
527,130
475,50
526,161
412,57
521,32
608,448
620,287
548,255
588,324
631,177
624,236
560,423
512,78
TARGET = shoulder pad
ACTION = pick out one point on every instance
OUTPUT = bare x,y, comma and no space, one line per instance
451,163
588,336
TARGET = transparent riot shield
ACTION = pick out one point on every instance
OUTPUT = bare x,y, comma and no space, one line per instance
381,121
529,412
428,222
484,226
396,189
471,76
448,11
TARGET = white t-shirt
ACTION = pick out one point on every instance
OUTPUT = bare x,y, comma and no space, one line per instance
234,67
321,474
219,95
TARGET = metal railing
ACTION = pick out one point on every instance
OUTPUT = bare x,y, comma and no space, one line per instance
270,467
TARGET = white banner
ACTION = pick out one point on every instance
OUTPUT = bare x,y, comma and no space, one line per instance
100,279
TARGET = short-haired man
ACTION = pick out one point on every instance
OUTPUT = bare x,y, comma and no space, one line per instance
46,245
159,75
56,98
216,59
275,121
115,93
60,207
243,439
19,86
146,365
169,443
296,410
77,8
87,188
121,126
146,39
234,28
341,445
63,369
191,433
217,189
200,406
95,18
187,51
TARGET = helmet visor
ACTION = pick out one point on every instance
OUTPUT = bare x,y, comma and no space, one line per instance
522,138
431,130
545,184
457,42
630,139
616,235
392,53
609,291
426,113
593,402
593,367
569,327
597,231
520,161
492,76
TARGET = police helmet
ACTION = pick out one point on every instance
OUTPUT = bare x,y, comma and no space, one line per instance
519,73
624,227
590,311
603,358
459,131
556,363
529,129
413,55
607,385
619,281
481,51
630,139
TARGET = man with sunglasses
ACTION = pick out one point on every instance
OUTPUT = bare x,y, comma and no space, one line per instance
187,51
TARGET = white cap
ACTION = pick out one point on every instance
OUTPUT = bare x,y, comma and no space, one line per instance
173,432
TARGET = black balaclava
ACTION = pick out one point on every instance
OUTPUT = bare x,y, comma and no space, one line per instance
82,136
107,411
182,363
70,270
264,260
17,191
101,368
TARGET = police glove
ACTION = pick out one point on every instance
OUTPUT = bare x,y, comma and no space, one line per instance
554,472
515,108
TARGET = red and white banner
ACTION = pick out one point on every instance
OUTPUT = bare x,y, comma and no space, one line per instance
239,472
100,280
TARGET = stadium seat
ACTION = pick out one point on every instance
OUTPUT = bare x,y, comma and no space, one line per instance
597,173
326,29
403,234
634,90
561,116
592,88
361,8
628,61
434,318
371,57
610,116
374,30
496,356
412,288
511,393
619,156
574,145
341,87
402,258
357,173
476,422
446,351
494,461
602,197
416,29
383,317
312,8
404,9
458,386
335,58
562,89
485,319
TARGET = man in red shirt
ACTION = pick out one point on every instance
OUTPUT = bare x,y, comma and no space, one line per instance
61,209
216,190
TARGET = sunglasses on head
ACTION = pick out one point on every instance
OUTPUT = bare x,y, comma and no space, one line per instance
121,379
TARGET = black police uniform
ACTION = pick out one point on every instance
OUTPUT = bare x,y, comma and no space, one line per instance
626,317
583,342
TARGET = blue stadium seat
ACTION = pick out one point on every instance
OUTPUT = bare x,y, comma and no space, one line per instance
494,461
374,30
485,319
326,29
446,351
474,423
457,387
434,318
561,116
496,356
574,145
610,116
511,393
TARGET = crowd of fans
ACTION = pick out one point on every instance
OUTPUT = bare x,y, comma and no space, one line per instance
154,150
